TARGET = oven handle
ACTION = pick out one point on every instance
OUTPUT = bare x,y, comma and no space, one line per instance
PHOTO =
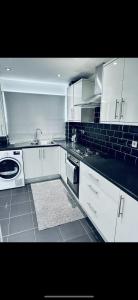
68,160
73,163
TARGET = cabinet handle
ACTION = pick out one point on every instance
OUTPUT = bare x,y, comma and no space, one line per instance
121,108
90,206
39,153
43,153
96,179
92,189
121,206
116,102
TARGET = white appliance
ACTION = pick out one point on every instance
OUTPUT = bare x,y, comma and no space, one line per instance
11,169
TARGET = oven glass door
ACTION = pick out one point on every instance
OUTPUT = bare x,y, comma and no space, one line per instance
74,186
9,168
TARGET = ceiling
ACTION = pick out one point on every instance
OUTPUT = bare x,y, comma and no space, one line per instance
47,69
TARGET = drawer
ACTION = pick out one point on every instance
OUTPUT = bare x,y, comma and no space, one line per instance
101,209
90,177
88,192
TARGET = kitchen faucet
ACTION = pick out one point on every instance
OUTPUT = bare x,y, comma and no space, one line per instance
36,135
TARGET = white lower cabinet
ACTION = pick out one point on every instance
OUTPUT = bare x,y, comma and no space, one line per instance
50,161
127,220
63,156
96,200
32,163
39,162
113,212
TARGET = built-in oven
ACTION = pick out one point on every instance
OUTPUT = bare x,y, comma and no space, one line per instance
72,168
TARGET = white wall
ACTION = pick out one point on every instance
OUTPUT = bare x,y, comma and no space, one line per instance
26,112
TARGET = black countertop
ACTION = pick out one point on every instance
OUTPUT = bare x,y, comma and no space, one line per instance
118,172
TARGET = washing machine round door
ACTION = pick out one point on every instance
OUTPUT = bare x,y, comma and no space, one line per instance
9,168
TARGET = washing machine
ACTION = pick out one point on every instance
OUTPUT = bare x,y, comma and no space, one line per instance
11,169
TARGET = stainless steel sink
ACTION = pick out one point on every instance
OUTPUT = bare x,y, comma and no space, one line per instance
42,142
46,142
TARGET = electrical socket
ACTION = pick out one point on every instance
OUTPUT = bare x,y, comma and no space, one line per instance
134,144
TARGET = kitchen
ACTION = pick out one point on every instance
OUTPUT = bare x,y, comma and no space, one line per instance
68,150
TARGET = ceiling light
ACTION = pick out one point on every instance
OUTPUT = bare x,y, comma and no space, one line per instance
8,69
59,75
115,63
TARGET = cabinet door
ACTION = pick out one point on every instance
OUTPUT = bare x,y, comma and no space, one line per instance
2,118
130,91
112,91
63,156
101,209
77,92
32,163
50,161
127,221
77,114
70,109
73,112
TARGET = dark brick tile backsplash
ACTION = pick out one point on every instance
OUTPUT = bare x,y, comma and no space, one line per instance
115,140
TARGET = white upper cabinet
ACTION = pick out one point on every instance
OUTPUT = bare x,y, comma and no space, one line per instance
112,91
83,89
73,113
127,220
70,113
2,118
119,102
130,91
77,93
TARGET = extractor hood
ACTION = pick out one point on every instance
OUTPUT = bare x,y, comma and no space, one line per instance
95,99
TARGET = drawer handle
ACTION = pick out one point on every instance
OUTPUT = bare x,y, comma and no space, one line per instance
116,102
90,206
92,189
121,206
96,179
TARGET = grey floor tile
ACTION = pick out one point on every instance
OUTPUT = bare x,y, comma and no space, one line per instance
19,190
4,226
26,236
5,200
20,197
28,186
4,212
20,209
81,239
35,219
72,230
21,223
32,206
5,193
48,235
31,196
91,230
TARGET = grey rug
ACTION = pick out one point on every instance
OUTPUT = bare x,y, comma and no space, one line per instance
54,205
